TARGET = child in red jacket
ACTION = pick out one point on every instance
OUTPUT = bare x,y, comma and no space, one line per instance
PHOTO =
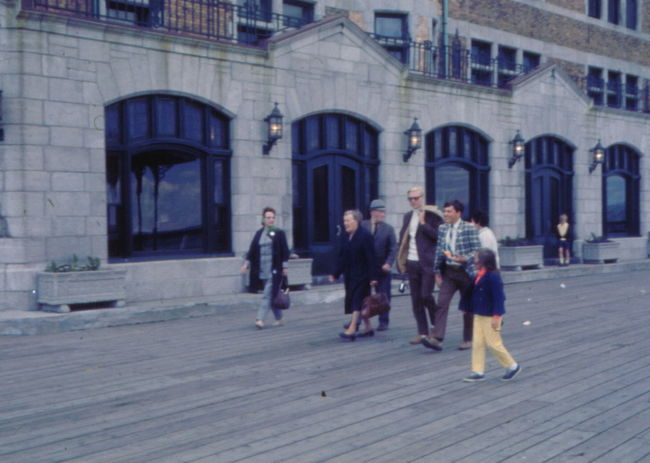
486,302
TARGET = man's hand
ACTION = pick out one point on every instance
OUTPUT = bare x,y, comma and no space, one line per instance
331,278
285,272
438,280
495,322
459,259
386,268
244,268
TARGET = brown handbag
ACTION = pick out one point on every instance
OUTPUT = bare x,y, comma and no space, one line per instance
374,304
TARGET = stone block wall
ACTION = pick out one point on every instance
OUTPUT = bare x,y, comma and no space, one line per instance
62,73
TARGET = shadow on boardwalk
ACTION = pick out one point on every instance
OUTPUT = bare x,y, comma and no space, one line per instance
213,389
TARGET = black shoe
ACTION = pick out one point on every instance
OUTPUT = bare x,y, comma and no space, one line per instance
369,333
382,327
349,337
431,343
510,374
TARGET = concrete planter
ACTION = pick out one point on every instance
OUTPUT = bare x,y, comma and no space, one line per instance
521,257
600,253
57,291
299,272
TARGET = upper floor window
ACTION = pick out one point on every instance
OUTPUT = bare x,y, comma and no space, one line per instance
297,13
481,62
507,64
595,84
631,14
392,33
614,89
392,25
594,8
614,11
257,9
623,12
530,61
631,92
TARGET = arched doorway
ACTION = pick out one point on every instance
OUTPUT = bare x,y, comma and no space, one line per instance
335,168
457,167
549,189
167,178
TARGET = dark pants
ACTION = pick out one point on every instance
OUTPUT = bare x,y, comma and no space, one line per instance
453,279
421,282
383,286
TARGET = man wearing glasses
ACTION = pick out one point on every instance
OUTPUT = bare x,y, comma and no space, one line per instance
418,239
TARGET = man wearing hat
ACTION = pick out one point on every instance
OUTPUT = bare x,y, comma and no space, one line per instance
385,251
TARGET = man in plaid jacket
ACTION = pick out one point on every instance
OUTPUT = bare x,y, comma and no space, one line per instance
454,268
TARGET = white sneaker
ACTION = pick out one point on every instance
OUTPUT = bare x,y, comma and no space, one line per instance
259,324
278,322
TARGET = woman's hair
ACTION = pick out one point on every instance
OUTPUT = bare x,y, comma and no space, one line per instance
268,209
487,259
356,215
480,218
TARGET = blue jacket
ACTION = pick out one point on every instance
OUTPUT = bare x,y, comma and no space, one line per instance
485,297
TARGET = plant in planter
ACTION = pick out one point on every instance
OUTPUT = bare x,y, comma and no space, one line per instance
520,254
79,282
600,249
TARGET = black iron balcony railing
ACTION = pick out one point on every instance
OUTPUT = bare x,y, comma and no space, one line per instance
214,20
450,62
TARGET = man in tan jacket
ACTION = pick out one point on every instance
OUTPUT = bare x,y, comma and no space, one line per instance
417,249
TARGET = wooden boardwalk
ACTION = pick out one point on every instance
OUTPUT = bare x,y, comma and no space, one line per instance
214,389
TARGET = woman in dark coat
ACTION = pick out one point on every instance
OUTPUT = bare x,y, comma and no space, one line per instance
268,258
356,261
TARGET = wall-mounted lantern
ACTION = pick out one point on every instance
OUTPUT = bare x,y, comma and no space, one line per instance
274,123
597,156
413,140
517,149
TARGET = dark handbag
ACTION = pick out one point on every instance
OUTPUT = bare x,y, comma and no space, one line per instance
374,304
282,300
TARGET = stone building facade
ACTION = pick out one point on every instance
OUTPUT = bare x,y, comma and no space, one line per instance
135,133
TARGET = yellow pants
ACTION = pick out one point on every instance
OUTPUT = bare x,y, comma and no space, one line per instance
484,335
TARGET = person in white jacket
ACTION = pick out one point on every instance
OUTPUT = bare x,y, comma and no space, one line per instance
485,235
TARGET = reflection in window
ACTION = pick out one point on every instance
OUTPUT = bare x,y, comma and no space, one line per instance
165,189
615,199
621,191
452,184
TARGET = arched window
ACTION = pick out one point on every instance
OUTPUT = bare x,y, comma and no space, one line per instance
167,178
335,168
549,189
457,167
621,191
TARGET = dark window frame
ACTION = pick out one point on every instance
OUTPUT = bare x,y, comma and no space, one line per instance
307,10
595,8
397,45
311,141
211,150
464,148
624,161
